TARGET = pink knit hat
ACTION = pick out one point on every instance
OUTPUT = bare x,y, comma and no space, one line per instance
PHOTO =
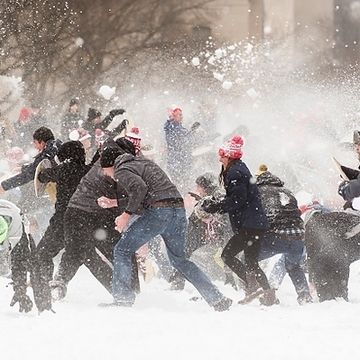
233,148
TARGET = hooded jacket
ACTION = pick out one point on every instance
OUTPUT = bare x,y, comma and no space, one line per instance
144,182
280,205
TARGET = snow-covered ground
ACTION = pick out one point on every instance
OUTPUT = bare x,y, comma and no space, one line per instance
166,325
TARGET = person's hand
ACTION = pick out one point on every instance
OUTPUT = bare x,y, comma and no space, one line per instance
2,191
116,112
341,190
210,206
121,222
25,303
106,203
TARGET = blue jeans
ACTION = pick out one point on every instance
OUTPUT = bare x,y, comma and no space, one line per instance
170,223
293,249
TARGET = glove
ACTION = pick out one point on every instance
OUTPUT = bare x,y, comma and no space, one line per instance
341,189
25,303
116,112
195,126
211,207
121,126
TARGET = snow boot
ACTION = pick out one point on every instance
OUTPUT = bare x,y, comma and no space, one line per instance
223,305
58,290
269,298
304,298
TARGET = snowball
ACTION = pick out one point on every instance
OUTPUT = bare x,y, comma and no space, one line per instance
227,85
252,93
100,234
107,92
218,76
195,61
79,42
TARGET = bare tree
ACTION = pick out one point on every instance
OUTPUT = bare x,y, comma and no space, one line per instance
61,47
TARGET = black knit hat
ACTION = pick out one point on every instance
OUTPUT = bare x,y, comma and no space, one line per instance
92,114
72,150
126,145
109,155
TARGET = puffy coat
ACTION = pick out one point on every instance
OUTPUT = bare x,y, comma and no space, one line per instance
280,205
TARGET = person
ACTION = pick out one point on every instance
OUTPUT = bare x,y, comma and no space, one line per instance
151,194
72,119
205,229
67,176
95,122
286,232
90,235
179,143
30,119
45,143
15,241
247,217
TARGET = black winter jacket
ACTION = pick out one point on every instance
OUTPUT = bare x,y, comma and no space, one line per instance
67,176
28,171
242,201
280,205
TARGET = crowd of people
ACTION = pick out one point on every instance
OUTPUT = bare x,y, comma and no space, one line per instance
114,207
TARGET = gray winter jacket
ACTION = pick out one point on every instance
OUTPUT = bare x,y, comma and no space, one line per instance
94,185
144,181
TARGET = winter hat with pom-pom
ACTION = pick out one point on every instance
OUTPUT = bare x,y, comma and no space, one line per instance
134,137
262,168
233,148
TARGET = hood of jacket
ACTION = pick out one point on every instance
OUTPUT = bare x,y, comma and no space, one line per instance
267,178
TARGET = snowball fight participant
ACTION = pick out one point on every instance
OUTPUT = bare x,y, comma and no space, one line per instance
14,240
67,176
90,235
247,217
30,119
95,122
155,197
179,142
72,119
47,147
204,228
84,137
134,136
286,232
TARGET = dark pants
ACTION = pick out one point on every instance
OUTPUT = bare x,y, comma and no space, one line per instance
43,267
293,248
90,240
247,240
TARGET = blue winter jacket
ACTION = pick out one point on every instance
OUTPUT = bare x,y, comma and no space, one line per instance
242,200
179,142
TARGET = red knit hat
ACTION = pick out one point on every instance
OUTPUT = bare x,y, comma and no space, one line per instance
134,137
233,148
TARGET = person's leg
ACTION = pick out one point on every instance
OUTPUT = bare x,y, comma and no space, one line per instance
78,228
293,259
235,245
43,267
174,237
251,252
145,228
